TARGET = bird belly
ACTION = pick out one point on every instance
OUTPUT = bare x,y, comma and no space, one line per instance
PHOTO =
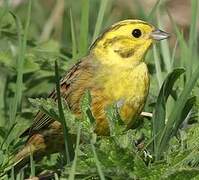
136,94
128,90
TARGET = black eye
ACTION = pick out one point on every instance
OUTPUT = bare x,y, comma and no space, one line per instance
136,33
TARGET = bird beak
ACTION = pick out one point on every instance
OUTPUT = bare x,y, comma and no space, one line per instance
158,35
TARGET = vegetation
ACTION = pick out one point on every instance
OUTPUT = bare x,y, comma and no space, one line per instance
165,146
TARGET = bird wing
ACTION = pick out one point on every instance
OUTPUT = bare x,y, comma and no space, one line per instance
72,86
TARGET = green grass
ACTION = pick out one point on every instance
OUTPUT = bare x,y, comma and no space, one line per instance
28,70
100,17
83,39
69,152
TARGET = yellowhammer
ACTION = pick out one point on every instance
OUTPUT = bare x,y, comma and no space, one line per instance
114,72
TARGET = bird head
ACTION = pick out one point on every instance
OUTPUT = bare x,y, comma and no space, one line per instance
127,40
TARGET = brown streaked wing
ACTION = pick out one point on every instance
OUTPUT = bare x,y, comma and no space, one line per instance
42,120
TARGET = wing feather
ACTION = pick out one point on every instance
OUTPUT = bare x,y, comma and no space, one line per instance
72,86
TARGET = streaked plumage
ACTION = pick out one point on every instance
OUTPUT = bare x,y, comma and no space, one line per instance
113,72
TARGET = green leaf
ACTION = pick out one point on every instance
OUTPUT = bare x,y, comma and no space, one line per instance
174,119
74,164
181,173
74,41
47,106
193,137
20,62
103,4
86,101
67,137
140,168
153,10
185,113
159,116
159,73
30,66
116,125
83,41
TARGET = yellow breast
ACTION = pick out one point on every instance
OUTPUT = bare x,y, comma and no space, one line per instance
127,86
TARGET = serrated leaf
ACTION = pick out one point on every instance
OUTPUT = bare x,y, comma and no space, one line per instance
86,108
140,168
47,106
181,173
116,125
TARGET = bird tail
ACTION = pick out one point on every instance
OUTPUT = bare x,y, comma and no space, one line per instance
34,147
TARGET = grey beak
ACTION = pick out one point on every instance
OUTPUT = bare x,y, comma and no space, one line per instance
159,35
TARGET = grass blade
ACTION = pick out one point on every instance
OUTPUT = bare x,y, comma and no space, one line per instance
72,172
159,117
74,42
193,34
100,17
153,10
140,10
174,54
32,166
174,118
165,48
183,46
5,9
20,62
67,140
157,66
97,162
193,28
83,43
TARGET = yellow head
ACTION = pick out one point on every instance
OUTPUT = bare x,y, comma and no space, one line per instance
127,40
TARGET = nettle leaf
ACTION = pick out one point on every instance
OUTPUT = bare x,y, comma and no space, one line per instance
116,125
126,140
47,106
193,137
192,142
192,159
85,102
116,158
88,120
156,170
115,161
140,168
181,173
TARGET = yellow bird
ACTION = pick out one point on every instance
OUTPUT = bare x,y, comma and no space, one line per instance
114,72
